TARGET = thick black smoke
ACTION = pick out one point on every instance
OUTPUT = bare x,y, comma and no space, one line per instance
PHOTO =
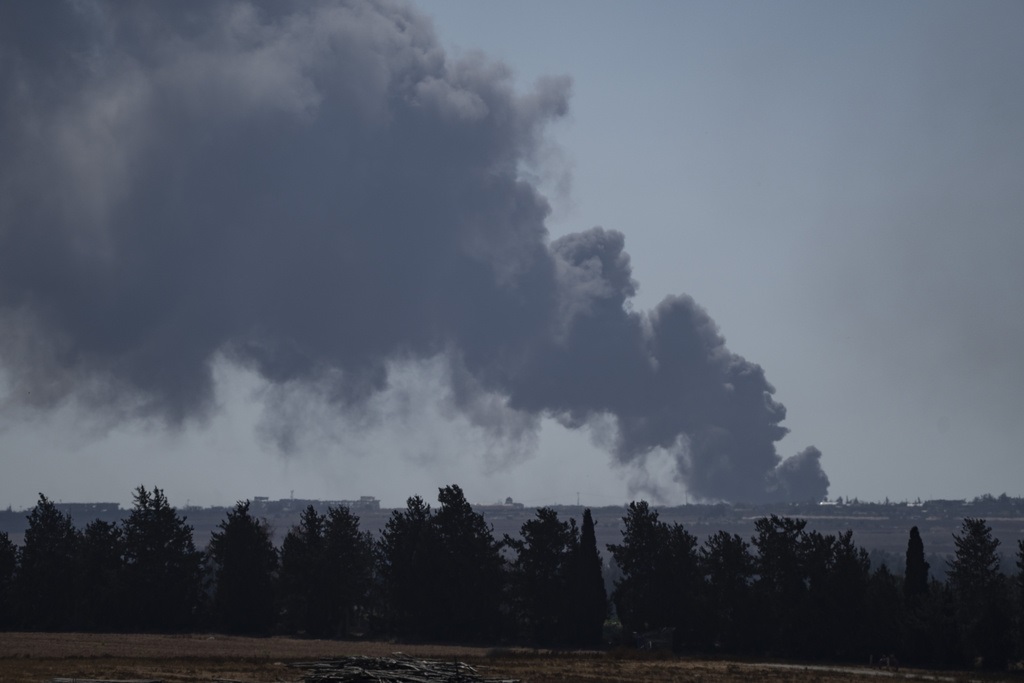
314,190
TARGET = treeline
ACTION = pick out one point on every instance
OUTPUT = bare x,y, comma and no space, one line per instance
433,574
441,575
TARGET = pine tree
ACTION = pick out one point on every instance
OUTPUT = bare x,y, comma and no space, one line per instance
101,565
326,572
838,586
728,568
408,565
661,581
782,582
162,573
1020,597
641,594
348,554
8,566
245,562
541,576
980,595
469,590
303,575
884,613
47,576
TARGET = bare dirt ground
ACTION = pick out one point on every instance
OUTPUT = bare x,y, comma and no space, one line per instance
40,657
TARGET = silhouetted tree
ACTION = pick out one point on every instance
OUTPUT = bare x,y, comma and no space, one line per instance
408,565
980,595
882,628
728,568
245,568
304,575
162,573
661,579
590,601
326,572
348,554
640,595
915,577
838,572
101,566
469,589
685,586
542,577
1020,597
8,566
932,635
47,575
781,585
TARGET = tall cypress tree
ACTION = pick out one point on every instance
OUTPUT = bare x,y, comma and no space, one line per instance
591,599
915,576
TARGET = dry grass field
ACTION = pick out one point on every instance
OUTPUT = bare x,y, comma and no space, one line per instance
40,657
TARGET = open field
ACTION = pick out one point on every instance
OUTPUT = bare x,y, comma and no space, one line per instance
39,657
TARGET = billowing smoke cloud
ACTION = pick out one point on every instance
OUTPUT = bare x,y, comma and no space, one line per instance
315,190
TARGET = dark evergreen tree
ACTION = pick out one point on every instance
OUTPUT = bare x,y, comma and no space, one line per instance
590,601
728,568
348,555
469,588
781,585
543,584
408,568
1020,598
8,567
932,633
47,578
162,572
101,565
685,588
980,595
883,625
304,576
245,571
640,595
661,580
838,574
915,577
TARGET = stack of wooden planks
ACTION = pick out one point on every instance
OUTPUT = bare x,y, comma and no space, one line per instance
397,668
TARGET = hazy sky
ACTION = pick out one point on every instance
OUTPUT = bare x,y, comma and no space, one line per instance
302,248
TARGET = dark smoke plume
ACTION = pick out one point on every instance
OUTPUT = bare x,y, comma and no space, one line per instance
315,190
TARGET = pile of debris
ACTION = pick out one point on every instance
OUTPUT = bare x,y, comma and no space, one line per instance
397,668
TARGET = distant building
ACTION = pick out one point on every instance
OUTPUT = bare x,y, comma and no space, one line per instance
508,506
266,506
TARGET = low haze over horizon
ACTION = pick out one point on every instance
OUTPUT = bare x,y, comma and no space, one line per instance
673,251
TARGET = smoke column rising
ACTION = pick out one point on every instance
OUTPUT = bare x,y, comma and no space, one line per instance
315,191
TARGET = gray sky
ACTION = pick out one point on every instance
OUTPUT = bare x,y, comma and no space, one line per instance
839,186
